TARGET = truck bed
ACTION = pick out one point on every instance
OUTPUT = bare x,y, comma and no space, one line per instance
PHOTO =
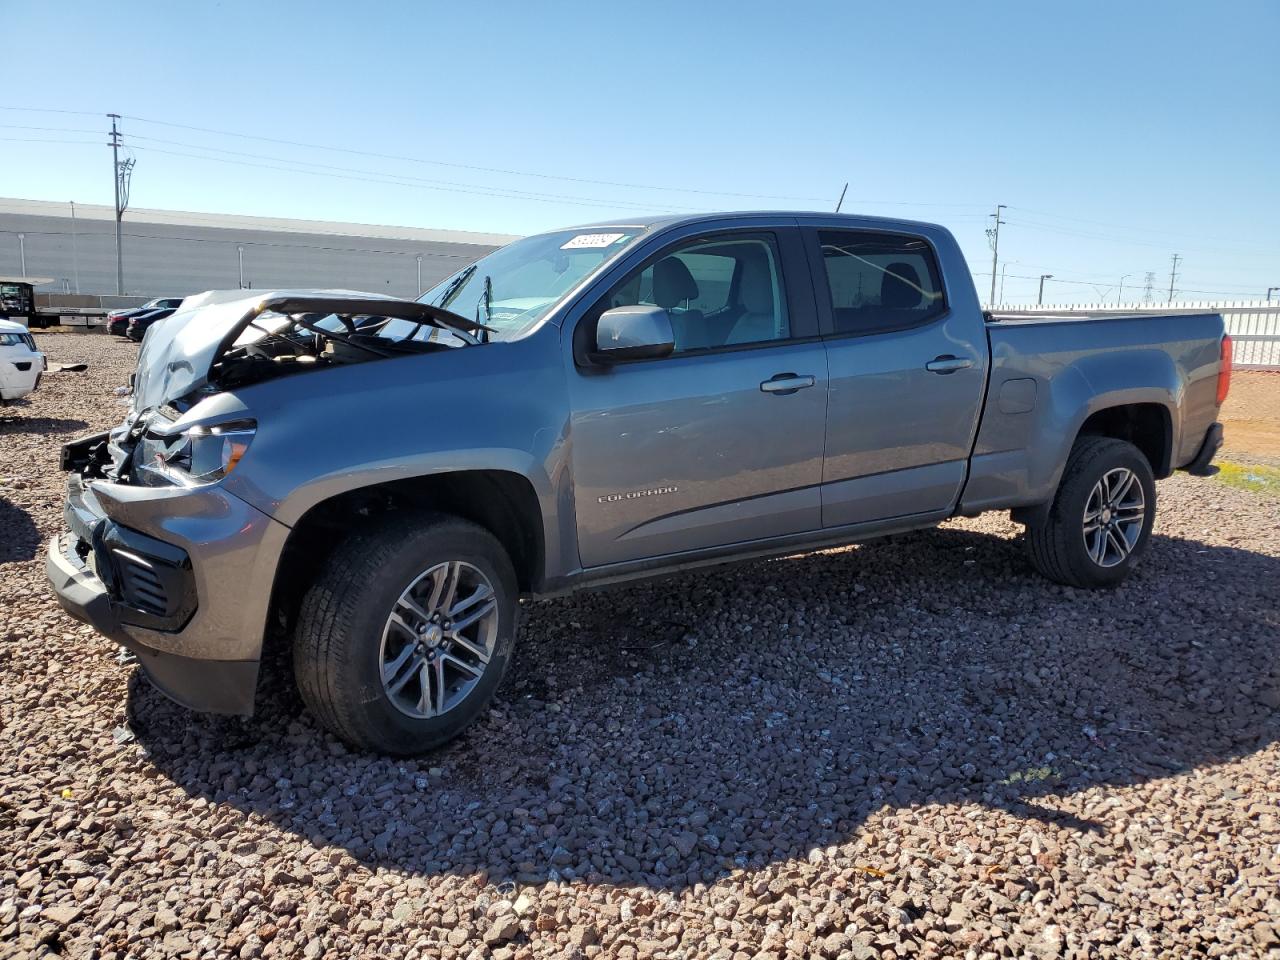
1049,374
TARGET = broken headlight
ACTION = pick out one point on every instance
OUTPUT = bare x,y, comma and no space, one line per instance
197,456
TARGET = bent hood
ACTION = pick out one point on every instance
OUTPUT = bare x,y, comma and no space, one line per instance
178,352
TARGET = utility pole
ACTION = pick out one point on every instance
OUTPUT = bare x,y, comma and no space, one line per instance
22,253
1269,289
1043,278
994,234
1121,293
419,274
123,172
75,257
1173,275
115,177
840,202
240,256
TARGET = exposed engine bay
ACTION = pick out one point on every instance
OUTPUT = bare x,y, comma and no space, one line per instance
298,334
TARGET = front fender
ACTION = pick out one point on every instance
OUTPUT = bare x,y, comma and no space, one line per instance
500,406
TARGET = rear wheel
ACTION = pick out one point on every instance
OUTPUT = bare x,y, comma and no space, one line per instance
1100,521
405,636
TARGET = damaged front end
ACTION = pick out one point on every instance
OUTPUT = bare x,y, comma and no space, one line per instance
220,344
157,554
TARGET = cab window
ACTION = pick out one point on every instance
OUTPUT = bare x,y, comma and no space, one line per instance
719,292
880,281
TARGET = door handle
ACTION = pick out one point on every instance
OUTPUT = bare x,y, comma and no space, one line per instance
783,384
948,364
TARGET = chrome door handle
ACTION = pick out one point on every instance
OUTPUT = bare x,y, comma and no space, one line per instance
786,383
947,364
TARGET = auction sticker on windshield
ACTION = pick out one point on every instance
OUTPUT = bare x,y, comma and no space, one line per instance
591,241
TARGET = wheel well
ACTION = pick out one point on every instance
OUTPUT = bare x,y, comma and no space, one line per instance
1146,425
503,503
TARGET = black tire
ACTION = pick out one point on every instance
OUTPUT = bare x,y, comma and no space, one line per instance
337,647
1057,542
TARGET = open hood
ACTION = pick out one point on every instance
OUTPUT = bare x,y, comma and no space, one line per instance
179,352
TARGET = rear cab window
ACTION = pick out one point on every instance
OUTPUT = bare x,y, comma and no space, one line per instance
879,282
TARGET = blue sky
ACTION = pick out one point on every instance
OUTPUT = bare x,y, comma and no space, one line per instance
1117,133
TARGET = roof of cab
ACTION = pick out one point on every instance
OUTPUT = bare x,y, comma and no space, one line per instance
657,222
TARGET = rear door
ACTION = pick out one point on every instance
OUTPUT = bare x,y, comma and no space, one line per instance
720,442
907,369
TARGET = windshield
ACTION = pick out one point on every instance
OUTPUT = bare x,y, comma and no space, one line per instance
514,287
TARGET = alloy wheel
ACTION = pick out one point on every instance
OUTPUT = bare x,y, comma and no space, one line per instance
1113,517
438,639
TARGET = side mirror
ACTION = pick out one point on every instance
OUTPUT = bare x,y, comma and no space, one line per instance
639,332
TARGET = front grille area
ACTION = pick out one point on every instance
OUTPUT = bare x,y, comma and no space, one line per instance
140,584
150,582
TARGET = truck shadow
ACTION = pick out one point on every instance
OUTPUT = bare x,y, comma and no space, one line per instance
19,538
42,425
934,669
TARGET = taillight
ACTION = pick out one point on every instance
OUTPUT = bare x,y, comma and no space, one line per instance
1224,369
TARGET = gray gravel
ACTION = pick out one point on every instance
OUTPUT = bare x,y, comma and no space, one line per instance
915,748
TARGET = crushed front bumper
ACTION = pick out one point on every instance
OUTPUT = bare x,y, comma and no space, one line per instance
181,577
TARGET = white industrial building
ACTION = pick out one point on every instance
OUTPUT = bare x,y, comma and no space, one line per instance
173,253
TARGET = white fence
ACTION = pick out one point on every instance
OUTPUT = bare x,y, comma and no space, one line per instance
1254,325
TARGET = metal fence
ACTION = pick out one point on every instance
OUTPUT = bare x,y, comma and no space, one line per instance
1254,325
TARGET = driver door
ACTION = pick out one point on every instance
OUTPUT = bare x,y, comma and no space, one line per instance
722,441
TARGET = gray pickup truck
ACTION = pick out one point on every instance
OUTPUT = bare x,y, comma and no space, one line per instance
378,481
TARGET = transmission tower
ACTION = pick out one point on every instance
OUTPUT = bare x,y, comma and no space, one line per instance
1147,290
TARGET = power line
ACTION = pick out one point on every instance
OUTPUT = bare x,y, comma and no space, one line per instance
1077,278
396,176
484,169
467,166
262,243
23,126
501,192
1097,283
1112,225
287,165
78,113
389,180
1053,228
82,143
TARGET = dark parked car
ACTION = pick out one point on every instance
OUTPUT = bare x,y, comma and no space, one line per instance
137,325
118,320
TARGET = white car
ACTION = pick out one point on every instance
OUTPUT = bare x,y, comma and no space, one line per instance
21,364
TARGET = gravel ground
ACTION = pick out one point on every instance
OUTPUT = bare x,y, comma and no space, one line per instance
915,748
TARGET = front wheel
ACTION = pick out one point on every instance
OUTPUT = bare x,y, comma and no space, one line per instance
1100,521
405,635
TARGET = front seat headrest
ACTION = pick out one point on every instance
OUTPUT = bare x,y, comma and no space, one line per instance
672,283
900,287
755,288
